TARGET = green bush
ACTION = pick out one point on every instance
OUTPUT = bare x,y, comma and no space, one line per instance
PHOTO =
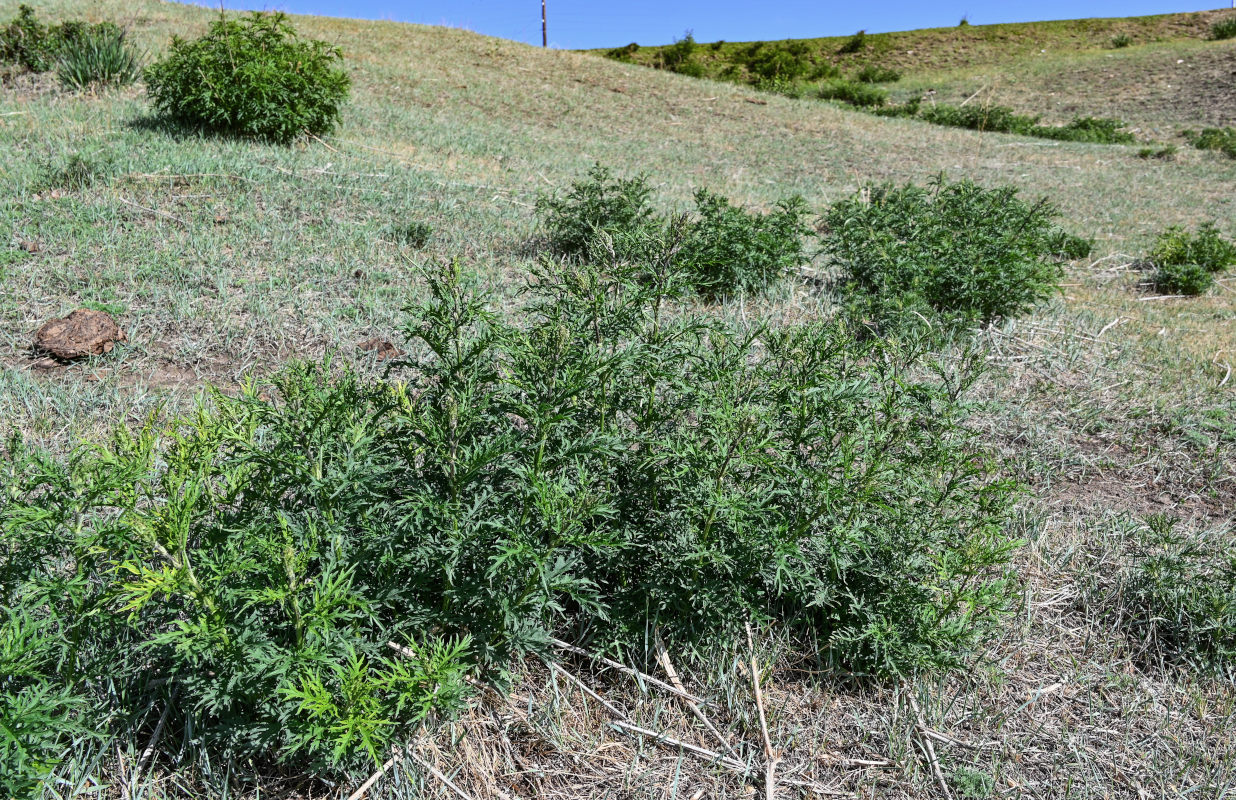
1177,596
611,464
623,53
862,95
1185,278
727,250
98,55
953,251
786,61
599,211
1224,29
251,77
1121,41
854,44
1221,139
877,74
27,42
1206,247
678,57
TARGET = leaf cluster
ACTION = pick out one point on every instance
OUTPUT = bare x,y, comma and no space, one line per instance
251,76
1187,263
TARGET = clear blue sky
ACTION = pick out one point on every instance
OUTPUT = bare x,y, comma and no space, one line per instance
590,23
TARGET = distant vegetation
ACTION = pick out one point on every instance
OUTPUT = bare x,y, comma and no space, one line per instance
1224,29
82,53
251,77
1220,139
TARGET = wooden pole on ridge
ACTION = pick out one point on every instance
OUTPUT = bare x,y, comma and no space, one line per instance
544,28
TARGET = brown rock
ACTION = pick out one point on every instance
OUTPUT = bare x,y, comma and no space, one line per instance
380,348
80,334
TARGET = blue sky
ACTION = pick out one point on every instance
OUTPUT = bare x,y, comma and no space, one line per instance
589,23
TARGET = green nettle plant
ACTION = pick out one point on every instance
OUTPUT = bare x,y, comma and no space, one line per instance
599,207
251,77
610,465
952,251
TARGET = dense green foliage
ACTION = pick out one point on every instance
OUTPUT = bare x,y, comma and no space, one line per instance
679,57
855,93
1070,246
722,248
599,207
1187,263
1177,596
953,251
1224,29
1221,139
726,250
252,77
854,44
99,55
609,466
82,52
1121,41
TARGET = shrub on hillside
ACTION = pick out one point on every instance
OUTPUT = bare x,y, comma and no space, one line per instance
727,250
999,119
854,44
873,73
97,55
679,56
252,77
1188,263
862,95
27,42
1121,41
611,464
599,208
953,251
1096,130
785,61
1224,29
1221,139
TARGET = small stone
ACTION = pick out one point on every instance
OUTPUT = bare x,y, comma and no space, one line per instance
380,348
82,333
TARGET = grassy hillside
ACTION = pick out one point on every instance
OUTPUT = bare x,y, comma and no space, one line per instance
1165,74
225,259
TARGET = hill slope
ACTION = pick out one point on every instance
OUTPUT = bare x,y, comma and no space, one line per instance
224,259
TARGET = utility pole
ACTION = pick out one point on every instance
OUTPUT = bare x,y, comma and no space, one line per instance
545,29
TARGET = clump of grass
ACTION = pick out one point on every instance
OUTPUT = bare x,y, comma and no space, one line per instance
953,251
77,172
1177,596
1220,139
873,73
414,234
1224,29
1121,41
98,56
1187,263
1164,153
614,464
855,44
251,77
861,95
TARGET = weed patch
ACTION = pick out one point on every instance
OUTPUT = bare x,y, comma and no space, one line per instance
952,251
1220,139
614,464
1187,263
250,77
855,93
1223,29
